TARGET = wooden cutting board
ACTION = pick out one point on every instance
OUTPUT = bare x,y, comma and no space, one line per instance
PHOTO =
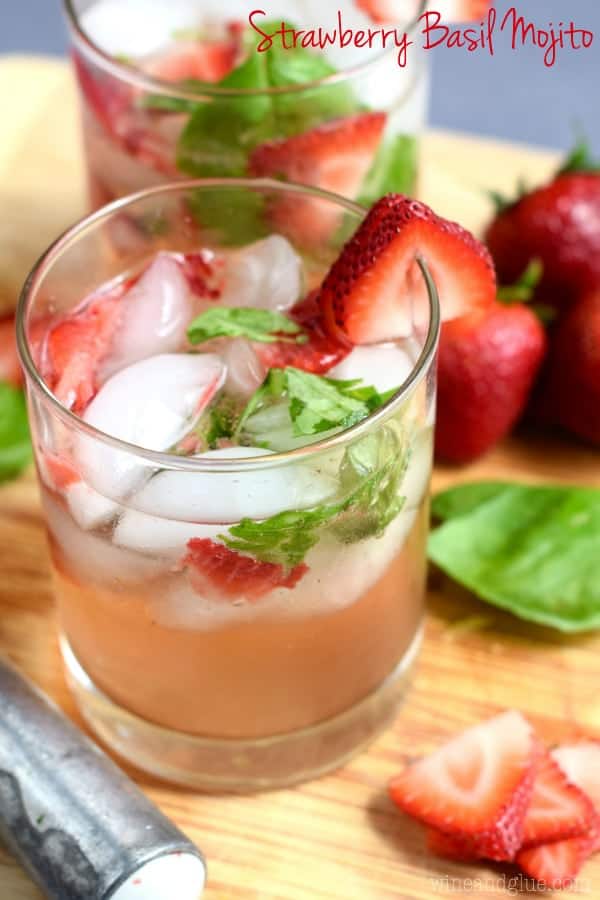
338,838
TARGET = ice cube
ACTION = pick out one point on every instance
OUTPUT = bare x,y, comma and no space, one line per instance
151,404
151,534
136,27
264,275
156,313
91,558
384,366
273,427
339,574
212,497
89,508
245,371
416,481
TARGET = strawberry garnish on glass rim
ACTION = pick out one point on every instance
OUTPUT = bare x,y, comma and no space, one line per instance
335,156
477,787
375,291
219,573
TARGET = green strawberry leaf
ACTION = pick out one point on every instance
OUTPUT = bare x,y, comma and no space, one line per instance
15,444
531,550
580,160
523,289
260,325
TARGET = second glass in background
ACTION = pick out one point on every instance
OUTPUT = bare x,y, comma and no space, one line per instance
177,89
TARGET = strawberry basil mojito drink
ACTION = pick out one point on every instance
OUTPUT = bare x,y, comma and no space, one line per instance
234,450
180,88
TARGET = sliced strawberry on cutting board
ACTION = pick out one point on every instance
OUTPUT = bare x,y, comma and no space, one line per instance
335,157
449,847
219,573
558,809
207,61
581,764
375,290
319,354
75,347
555,865
10,367
477,787
405,10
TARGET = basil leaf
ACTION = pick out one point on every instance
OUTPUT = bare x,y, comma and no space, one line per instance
465,499
394,169
318,404
376,466
219,135
260,325
15,445
534,551
370,475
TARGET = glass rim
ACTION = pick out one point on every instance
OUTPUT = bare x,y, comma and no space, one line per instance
172,462
147,83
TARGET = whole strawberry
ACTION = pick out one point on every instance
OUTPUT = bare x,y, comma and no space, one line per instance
569,393
560,225
488,362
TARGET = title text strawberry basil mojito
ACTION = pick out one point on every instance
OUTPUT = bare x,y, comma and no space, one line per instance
521,32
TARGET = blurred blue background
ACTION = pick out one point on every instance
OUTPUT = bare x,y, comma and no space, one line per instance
512,95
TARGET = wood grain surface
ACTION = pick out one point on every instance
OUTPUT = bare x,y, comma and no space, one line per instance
339,837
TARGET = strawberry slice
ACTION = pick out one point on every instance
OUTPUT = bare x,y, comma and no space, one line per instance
202,60
449,847
59,472
558,809
556,865
477,787
220,573
581,764
335,156
10,367
201,275
320,353
75,347
405,10
375,292
107,97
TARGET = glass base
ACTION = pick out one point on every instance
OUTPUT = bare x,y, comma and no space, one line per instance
239,765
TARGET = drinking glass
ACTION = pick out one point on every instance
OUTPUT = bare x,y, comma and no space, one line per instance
230,693
354,130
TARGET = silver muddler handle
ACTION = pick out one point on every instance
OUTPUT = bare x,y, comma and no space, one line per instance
80,827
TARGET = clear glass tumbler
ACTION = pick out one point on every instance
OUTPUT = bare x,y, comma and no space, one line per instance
229,694
176,88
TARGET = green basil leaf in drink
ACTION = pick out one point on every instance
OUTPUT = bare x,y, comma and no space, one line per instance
370,479
394,169
318,404
297,111
531,550
231,218
374,468
15,444
260,325
222,130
